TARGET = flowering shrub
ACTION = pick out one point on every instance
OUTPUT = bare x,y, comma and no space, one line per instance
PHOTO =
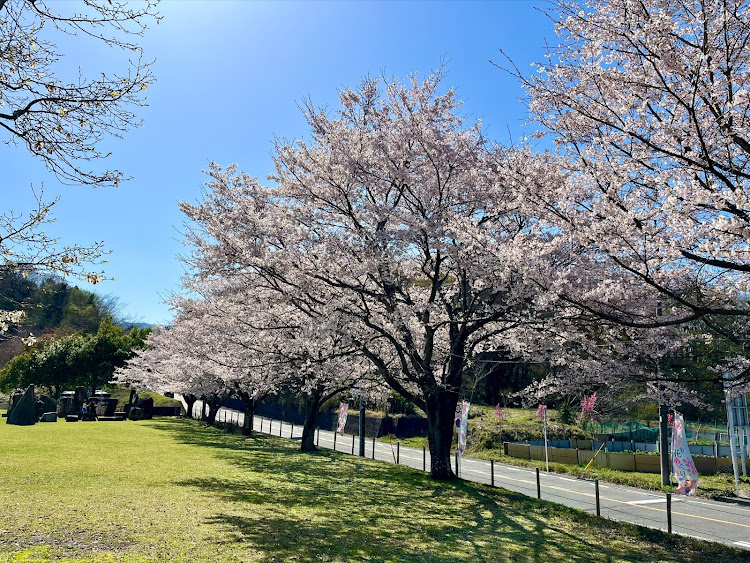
540,412
499,413
587,407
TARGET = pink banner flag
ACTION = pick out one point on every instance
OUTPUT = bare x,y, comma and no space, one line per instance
462,419
343,408
682,462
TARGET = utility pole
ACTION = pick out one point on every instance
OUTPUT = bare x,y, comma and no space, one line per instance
666,470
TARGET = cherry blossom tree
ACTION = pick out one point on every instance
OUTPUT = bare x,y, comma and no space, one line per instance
164,366
60,118
205,354
394,221
268,343
619,363
648,104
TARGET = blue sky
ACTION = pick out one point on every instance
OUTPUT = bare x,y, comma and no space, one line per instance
230,75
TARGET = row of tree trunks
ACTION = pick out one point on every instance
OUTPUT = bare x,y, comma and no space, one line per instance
440,409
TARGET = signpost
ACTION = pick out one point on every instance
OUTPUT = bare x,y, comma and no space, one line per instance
736,415
546,454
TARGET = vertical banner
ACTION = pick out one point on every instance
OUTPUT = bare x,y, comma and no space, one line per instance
343,408
682,461
462,419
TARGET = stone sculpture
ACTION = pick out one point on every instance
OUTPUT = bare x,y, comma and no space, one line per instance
23,412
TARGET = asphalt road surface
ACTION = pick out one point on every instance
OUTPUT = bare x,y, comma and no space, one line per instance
723,522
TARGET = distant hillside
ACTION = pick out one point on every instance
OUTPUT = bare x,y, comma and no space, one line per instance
53,309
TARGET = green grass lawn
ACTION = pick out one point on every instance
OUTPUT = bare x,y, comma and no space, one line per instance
174,490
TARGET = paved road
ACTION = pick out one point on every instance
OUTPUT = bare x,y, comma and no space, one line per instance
705,519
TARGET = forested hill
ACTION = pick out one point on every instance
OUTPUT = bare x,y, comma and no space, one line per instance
52,308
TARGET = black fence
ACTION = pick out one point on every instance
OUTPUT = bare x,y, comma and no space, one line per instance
166,411
375,427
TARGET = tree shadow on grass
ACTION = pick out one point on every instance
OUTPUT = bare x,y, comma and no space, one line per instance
294,506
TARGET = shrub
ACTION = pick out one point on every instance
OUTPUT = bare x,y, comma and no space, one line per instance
565,414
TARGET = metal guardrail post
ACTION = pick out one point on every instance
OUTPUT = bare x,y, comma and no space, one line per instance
291,432
334,441
373,447
352,444
596,488
398,453
456,465
424,459
281,425
669,513
318,431
538,485
492,473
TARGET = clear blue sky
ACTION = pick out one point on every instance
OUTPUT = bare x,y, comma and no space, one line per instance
229,77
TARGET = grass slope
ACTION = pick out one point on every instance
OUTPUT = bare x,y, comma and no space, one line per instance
123,396
173,490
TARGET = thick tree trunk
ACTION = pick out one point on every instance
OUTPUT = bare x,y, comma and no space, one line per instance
247,424
249,403
441,412
314,401
213,408
190,401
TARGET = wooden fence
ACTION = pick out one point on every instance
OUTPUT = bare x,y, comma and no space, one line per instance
620,461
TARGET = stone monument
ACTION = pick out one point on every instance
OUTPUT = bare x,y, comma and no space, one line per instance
23,411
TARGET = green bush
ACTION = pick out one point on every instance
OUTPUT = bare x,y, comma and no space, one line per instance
398,405
565,414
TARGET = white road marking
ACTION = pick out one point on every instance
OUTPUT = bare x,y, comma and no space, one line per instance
649,501
742,543
567,479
